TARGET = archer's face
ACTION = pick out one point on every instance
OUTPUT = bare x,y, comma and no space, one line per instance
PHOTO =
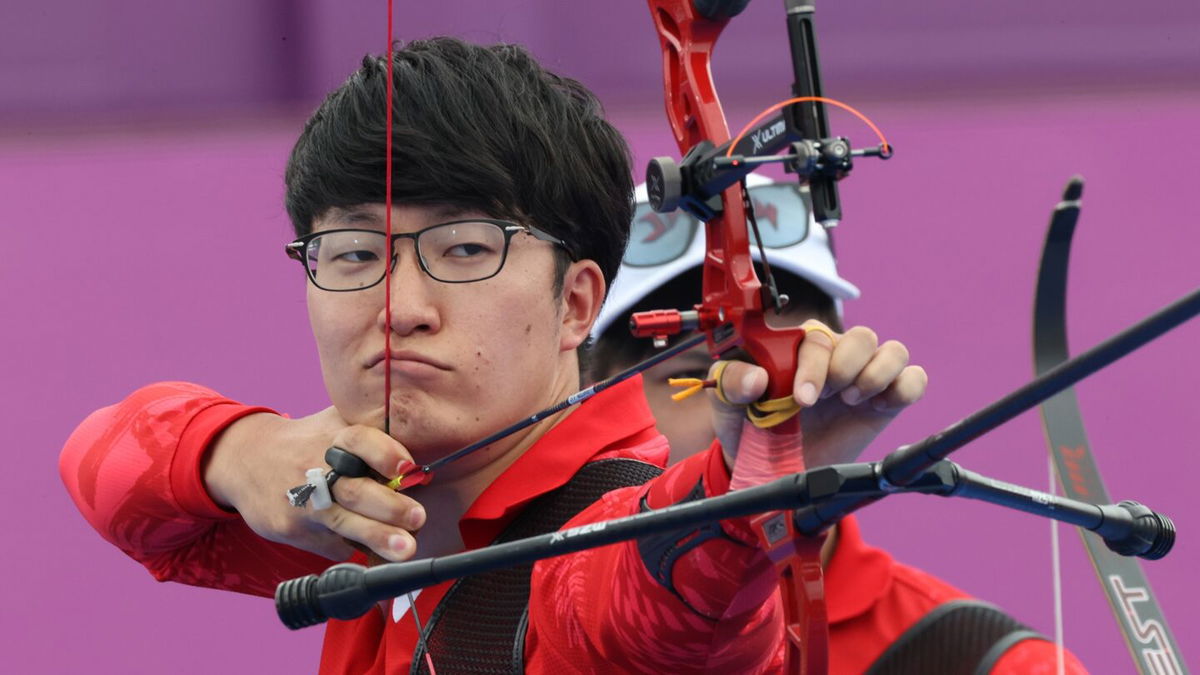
467,358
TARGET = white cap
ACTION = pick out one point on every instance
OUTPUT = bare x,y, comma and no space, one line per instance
811,259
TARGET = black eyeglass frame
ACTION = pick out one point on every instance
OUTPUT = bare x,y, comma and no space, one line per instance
296,249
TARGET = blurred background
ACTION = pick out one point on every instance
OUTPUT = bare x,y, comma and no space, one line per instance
142,147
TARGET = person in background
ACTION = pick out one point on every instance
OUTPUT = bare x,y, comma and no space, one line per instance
662,270
882,613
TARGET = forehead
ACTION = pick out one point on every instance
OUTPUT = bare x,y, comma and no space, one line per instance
405,217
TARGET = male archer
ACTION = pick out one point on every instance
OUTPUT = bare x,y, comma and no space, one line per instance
511,210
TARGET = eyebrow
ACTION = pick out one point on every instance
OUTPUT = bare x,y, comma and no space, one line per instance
356,215
448,211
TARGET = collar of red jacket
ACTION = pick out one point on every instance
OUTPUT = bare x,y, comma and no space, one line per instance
615,422
857,575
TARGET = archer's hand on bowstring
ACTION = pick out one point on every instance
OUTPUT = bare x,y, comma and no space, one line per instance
849,388
254,461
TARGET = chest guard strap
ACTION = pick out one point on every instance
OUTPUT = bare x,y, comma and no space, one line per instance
479,626
961,637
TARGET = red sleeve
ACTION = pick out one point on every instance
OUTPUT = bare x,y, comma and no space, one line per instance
1036,657
602,609
133,470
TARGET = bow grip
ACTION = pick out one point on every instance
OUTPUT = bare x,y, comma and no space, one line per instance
775,350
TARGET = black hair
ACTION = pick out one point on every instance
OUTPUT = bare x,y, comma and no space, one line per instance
478,127
616,350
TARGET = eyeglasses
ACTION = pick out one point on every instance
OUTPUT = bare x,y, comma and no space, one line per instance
457,252
659,238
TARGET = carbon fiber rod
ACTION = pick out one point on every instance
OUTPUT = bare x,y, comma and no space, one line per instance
904,464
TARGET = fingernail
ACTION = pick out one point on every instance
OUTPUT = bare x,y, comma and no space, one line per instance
808,393
406,467
398,544
416,518
879,404
851,395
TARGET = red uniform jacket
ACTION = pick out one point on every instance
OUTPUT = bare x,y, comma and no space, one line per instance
133,470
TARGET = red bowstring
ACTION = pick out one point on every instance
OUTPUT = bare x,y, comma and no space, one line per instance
387,292
387,269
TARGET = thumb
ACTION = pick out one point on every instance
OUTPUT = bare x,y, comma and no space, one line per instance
739,382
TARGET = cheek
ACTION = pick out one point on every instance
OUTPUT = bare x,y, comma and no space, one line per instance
320,321
334,325
517,324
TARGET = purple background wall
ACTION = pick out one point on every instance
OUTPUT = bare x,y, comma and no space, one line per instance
141,154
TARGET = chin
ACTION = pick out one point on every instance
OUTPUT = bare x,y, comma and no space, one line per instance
427,440
367,416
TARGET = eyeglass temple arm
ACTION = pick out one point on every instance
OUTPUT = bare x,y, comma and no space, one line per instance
546,236
293,250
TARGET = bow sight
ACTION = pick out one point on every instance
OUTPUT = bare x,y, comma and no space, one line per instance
706,182
818,159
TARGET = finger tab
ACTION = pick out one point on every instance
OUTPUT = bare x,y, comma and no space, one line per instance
346,463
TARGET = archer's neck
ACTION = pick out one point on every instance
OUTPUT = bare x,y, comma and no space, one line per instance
455,487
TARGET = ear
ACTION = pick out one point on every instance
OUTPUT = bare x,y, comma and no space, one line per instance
582,295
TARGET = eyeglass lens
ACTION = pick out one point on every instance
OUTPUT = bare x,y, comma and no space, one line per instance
454,252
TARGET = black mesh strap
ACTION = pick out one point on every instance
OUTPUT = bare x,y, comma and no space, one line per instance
661,551
961,637
479,626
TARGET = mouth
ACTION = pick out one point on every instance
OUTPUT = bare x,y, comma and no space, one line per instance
405,357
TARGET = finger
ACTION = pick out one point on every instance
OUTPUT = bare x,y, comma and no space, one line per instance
304,532
812,362
879,373
325,544
380,451
740,382
853,352
391,543
905,390
378,502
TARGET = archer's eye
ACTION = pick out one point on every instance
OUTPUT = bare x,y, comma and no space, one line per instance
349,247
359,256
466,251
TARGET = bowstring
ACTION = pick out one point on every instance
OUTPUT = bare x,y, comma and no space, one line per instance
387,292
388,251
1056,576
412,606
771,289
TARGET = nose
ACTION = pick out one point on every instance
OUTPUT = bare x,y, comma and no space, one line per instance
413,310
